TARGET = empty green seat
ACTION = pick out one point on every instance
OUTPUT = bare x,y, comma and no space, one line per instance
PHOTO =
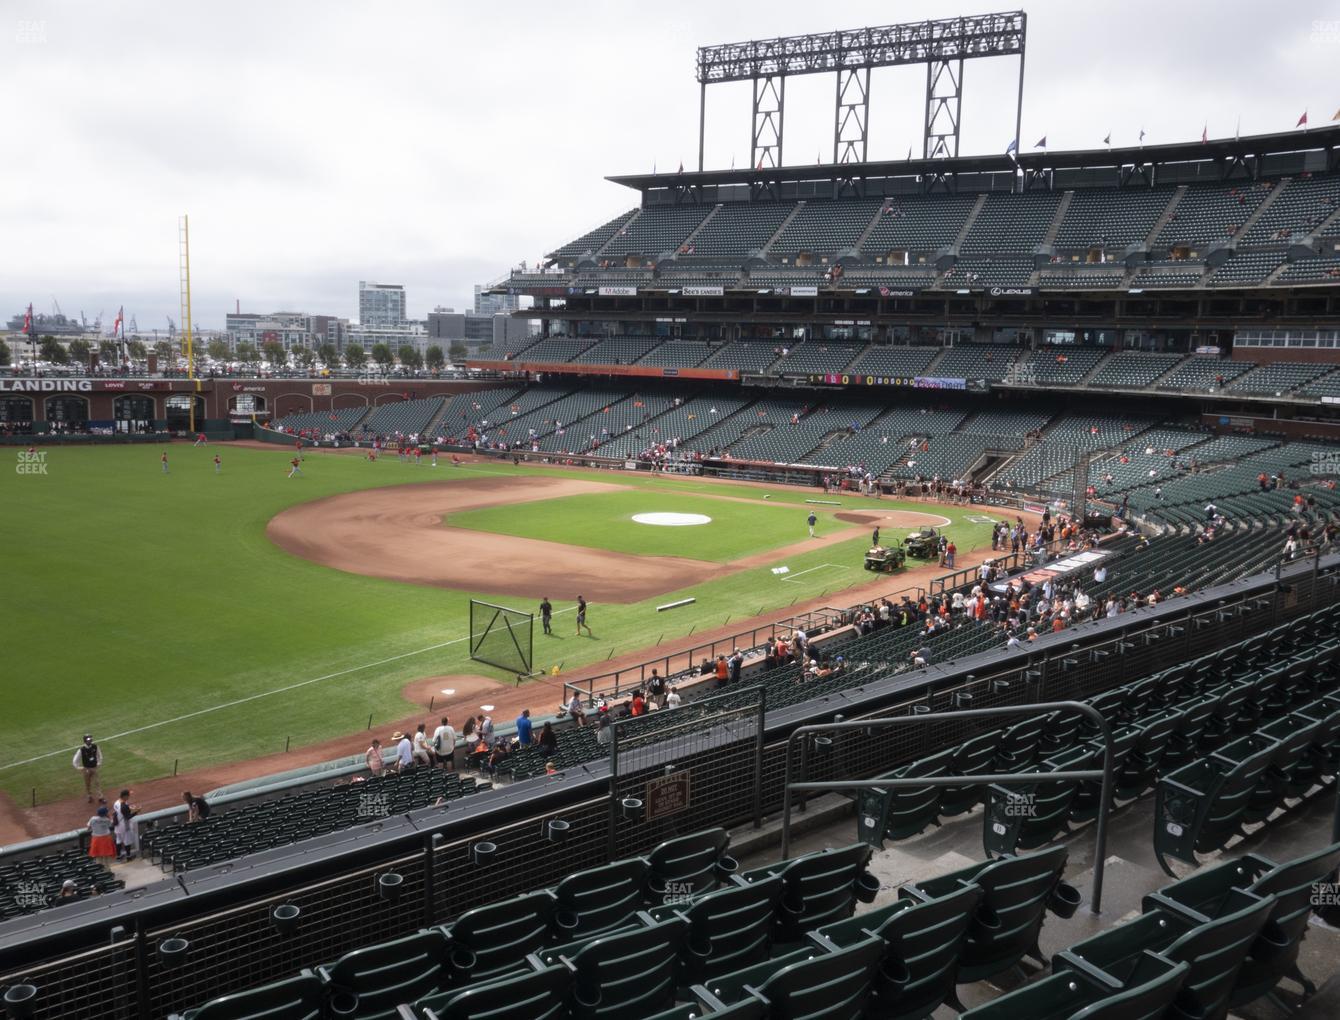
536,995
808,983
625,976
689,865
1215,951
901,812
920,969
819,888
493,939
600,899
297,998
974,756
372,982
1031,816
1202,805
1148,995
1274,956
1016,892
729,929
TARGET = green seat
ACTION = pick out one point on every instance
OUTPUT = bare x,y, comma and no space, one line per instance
689,865
533,994
296,998
925,940
1140,769
809,983
730,928
1215,951
599,899
902,812
1274,956
1073,996
372,982
628,975
497,938
1026,817
818,888
1202,805
973,756
1015,895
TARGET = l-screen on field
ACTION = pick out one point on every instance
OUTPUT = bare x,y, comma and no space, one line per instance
196,620
642,522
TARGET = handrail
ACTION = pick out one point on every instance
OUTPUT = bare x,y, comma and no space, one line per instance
1011,778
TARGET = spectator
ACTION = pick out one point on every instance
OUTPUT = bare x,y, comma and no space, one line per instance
656,688
404,751
69,889
722,670
548,739
603,734
197,808
576,710
485,728
672,699
444,744
497,756
125,828
735,664
523,728
373,758
638,704
88,758
422,754
101,845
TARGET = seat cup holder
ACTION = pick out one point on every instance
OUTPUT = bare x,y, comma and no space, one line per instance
727,866
987,919
793,905
343,1003
1065,900
867,887
567,920
895,974
20,1001
463,960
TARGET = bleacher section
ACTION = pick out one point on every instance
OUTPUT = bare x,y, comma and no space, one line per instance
658,230
619,350
1011,223
895,361
1058,366
739,228
918,224
1133,369
1203,373
1246,269
407,417
1055,452
1278,378
1110,219
1303,204
824,229
595,240
343,419
678,354
1212,212
816,356
977,361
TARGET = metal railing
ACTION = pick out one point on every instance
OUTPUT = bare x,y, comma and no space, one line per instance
1003,779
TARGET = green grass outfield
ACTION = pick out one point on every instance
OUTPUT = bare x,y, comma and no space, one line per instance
135,599
605,521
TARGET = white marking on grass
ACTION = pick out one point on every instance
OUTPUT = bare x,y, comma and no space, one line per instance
821,566
249,698
487,708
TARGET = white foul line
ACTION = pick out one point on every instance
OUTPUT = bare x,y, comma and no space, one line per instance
801,573
251,697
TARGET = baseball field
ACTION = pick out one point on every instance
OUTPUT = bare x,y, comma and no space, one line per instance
199,617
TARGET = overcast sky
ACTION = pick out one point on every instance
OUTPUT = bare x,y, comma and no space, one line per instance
318,143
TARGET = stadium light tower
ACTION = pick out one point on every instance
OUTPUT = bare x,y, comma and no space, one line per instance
941,45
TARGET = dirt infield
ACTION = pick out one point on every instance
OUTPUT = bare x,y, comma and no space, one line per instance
397,533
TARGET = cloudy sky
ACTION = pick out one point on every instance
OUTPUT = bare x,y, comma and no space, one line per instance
318,143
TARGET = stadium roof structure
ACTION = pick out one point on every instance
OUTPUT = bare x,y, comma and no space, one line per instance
1231,156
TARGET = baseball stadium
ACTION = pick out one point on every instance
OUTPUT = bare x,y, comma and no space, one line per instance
877,589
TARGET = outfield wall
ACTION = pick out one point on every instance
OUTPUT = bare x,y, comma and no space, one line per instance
97,957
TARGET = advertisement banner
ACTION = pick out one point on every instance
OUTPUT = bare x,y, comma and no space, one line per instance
914,382
618,291
803,291
703,291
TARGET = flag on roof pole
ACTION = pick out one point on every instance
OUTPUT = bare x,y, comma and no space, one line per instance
1142,134
28,319
1108,140
681,167
1013,147
909,152
1337,115
1302,121
118,322
732,161
1041,143
1205,134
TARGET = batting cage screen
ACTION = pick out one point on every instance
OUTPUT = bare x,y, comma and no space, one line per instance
501,636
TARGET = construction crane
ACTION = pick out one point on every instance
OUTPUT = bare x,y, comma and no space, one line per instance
172,328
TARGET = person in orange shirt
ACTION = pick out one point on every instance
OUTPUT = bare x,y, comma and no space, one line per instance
721,669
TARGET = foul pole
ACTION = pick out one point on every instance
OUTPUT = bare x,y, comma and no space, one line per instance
184,265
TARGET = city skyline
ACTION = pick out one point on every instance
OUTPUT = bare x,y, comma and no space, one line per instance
470,170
